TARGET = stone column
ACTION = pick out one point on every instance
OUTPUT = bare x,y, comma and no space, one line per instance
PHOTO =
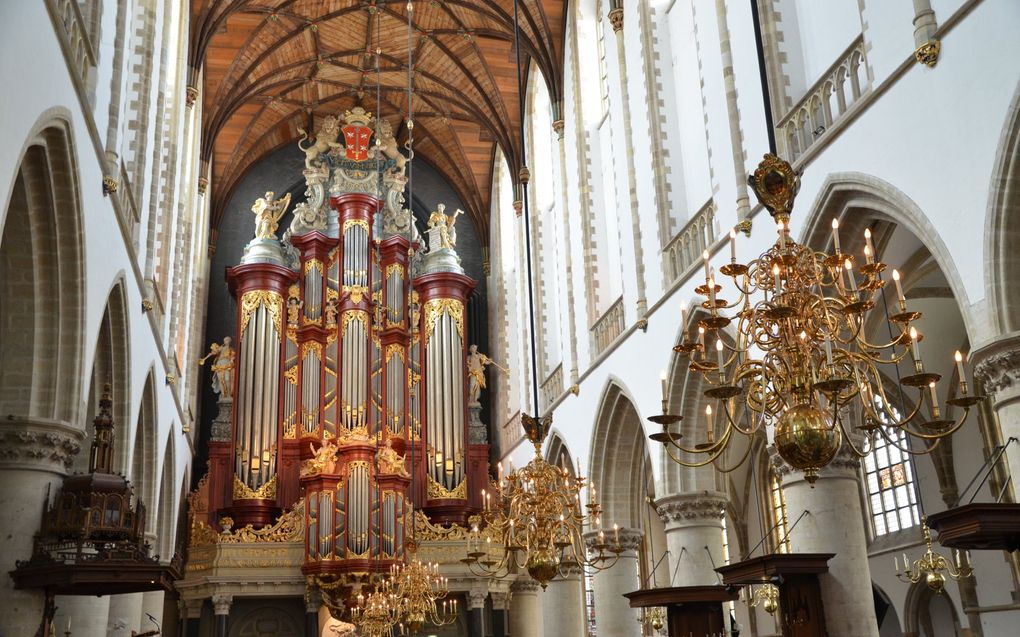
613,613
87,615
834,524
693,530
526,608
313,602
500,605
997,368
476,611
152,604
191,617
221,610
563,605
125,615
34,455
615,17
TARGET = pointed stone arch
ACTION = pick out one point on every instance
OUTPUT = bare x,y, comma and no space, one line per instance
164,510
143,455
621,465
42,280
110,366
1002,227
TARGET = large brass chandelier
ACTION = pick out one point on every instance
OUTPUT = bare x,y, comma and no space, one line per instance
421,593
795,352
535,516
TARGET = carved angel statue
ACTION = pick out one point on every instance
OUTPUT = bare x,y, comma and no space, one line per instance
268,212
330,311
324,140
476,362
294,306
444,226
390,462
323,459
222,367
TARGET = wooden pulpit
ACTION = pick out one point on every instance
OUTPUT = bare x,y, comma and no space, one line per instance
690,610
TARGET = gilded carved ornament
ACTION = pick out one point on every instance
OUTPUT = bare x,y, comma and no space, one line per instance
244,492
251,301
392,268
437,491
289,527
352,315
437,307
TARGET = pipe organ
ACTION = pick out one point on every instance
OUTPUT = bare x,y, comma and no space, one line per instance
351,361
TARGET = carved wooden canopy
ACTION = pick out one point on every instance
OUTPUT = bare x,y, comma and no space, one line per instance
272,66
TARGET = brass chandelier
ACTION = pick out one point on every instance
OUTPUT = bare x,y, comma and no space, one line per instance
799,352
378,613
419,588
536,518
931,566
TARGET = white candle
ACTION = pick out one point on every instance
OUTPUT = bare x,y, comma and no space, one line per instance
850,275
915,347
683,316
704,256
934,397
782,235
708,418
869,248
899,286
719,353
616,533
835,234
828,350
959,367
701,336
733,245
665,389
779,283
896,564
711,288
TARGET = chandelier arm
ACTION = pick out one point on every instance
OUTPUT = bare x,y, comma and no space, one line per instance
732,423
737,464
848,440
716,450
941,434
885,400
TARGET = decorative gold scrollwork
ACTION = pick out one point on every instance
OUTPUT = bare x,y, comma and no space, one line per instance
437,307
394,349
313,263
437,491
352,315
252,299
244,492
394,267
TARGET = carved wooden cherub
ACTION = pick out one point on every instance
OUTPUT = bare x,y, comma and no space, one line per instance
268,211
222,367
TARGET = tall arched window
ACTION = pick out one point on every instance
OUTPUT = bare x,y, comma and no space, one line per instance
777,503
889,478
600,40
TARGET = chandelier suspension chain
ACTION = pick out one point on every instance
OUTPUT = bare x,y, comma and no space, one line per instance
527,213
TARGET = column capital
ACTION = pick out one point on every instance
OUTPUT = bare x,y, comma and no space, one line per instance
221,603
616,19
630,539
500,600
476,597
569,572
997,366
190,608
525,585
39,444
686,508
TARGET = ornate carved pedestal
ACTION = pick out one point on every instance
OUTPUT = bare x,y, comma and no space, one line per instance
802,612
690,610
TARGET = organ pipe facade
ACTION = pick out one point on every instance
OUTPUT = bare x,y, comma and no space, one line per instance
351,367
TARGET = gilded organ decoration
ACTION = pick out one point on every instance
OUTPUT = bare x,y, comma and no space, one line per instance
222,367
268,211
476,363
349,363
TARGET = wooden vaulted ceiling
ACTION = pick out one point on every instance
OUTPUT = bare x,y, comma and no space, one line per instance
273,66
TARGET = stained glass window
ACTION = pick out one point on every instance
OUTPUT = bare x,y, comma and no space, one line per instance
889,476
